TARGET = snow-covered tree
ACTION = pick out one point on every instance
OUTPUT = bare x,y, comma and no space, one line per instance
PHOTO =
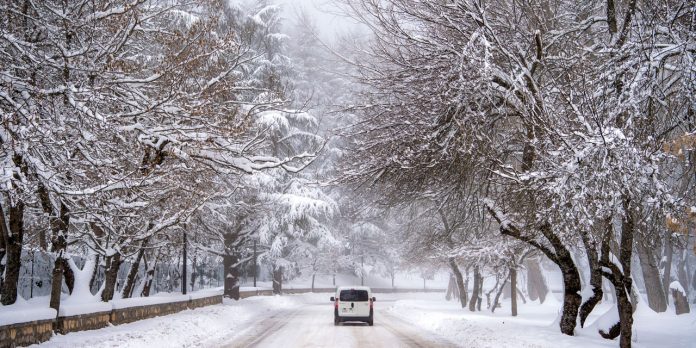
551,107
114,113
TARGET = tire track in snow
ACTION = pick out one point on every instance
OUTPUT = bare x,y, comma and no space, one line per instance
406,333
311,325
254,335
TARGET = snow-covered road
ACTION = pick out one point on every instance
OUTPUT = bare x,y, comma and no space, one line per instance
311,325
275,321
401,320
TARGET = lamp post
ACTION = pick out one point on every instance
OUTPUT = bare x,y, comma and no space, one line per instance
183,268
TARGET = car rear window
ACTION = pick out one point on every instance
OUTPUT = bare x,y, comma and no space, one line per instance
354,295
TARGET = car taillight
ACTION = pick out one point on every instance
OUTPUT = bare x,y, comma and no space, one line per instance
336,303
370,304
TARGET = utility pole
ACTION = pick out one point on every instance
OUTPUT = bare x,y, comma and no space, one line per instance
183,268
254,263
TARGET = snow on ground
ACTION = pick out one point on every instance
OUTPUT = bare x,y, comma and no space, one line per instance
536,325
37,308
23,311
210,326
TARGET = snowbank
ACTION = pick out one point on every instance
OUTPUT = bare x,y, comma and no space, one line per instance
212,326
206,293
158,298
37,308
535,327
69,309
23,314
26,311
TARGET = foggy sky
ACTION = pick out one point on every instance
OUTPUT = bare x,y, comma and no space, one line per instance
325,14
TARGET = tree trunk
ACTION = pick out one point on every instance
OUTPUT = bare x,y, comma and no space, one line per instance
313,276
278,281
521,296
99,233
3,248
620,277
94,271
657,299
682,276
57,282
480,294
149,277
455,290
571,281
451,284
494,288
625,255
681,303
194,273
465,287
693,281
595,275
513,292
667,264
536,284
561,256
59,228
135,267
459,280
113,263
13,240
231,284
625,309
571,294
597,295
474,294
625,318
496,300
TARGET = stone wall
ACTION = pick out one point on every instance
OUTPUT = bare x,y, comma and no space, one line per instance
25,334
131,314
245,294
89,321
205,301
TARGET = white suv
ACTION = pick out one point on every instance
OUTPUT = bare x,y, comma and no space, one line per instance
353,303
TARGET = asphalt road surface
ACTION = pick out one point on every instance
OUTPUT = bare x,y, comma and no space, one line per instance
312,326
